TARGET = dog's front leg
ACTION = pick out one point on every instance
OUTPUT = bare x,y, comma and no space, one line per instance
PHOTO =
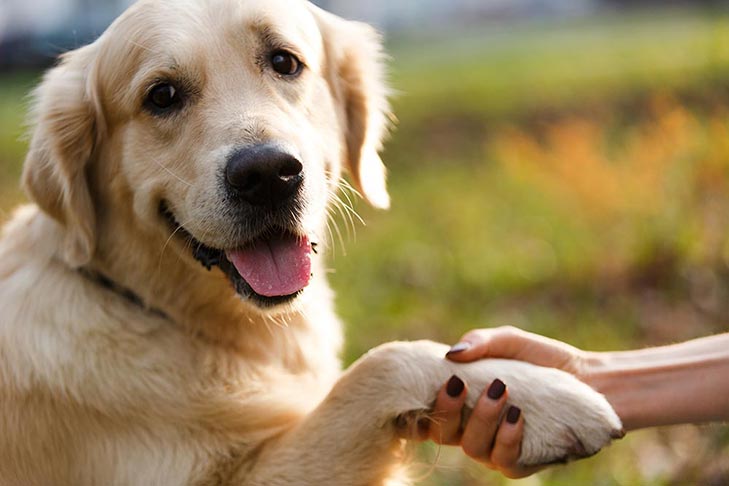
352,437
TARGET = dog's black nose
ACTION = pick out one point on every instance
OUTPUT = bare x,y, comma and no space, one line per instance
264,174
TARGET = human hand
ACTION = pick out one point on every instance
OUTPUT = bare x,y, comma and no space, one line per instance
509,342
492,435
640,385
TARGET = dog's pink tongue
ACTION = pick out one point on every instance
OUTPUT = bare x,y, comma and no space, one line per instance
276,267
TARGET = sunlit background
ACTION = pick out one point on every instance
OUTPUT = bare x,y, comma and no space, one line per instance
558,165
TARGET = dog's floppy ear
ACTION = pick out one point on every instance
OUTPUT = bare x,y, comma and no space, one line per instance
357,77
64,130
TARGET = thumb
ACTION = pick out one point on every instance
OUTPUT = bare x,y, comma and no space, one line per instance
511,343
478,344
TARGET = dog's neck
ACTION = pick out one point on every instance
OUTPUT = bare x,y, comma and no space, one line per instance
105,282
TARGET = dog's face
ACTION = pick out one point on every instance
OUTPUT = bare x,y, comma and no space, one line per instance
223,123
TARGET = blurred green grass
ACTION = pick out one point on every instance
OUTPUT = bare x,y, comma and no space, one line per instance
13,95
502,71
469,231
568,178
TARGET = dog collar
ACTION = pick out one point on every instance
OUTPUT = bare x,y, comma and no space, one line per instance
124,292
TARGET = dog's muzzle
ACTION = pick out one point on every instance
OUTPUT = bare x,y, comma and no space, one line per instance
271,264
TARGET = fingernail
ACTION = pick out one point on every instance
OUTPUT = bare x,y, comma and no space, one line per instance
496,389
513,414
455,387
458,348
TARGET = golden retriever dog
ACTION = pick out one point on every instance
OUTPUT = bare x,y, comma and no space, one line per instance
164,314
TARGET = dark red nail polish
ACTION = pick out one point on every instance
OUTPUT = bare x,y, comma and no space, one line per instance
496,389
513,414
455,387
458,348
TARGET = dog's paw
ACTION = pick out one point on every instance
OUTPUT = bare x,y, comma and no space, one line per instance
564,418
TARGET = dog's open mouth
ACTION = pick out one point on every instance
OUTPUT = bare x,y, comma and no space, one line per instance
271,269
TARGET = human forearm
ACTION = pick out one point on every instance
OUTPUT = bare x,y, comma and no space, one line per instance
682,383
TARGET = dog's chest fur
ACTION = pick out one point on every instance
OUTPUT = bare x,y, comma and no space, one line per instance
160,405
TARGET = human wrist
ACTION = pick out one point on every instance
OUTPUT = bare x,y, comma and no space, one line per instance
629,386
592,366
661,386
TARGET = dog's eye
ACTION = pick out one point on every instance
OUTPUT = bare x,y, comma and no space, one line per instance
163,96
285,63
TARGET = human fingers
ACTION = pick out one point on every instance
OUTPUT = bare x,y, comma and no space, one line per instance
478,435
478,343
507,446
445,427
513,343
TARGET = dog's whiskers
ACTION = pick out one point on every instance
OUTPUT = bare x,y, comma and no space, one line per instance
346,189
167,242
348,213
336,212
332,222
337,209
344,183
345,208
330,236
170,172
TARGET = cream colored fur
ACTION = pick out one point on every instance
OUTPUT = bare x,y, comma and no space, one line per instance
95,390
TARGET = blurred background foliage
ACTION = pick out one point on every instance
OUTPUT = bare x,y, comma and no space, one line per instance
567,174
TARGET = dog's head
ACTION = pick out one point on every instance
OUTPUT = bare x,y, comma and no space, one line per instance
221,124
